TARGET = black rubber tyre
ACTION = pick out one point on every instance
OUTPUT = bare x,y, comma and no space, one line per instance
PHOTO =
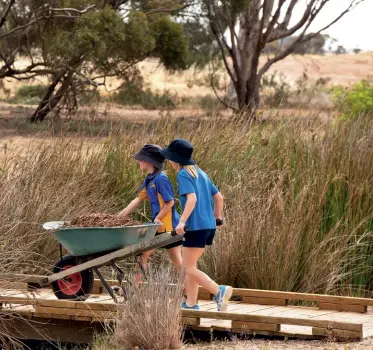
77,286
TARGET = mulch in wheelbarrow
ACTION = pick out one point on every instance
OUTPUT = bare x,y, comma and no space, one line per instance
100,220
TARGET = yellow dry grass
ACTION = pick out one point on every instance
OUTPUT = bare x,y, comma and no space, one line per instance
342,69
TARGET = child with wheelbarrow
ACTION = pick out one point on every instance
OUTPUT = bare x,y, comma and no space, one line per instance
202,206
157,189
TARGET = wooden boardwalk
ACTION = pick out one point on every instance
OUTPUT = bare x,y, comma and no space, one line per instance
39,315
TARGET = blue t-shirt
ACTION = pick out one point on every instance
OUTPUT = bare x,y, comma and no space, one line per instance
202,217
157,188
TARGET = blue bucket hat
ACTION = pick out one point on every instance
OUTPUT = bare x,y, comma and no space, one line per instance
152,155
179,151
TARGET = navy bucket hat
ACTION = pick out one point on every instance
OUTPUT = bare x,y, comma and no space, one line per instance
179,151
152,155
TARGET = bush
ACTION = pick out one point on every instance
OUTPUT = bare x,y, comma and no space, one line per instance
29,94
209,103
131,94
150,318
355,101
276,89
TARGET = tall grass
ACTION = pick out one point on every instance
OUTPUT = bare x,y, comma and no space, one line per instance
298,198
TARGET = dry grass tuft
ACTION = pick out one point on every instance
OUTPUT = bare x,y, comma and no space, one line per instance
150,318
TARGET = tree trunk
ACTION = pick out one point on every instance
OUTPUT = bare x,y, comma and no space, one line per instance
50,101
246,91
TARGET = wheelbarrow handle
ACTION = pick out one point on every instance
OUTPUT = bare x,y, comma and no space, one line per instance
219,222
173,233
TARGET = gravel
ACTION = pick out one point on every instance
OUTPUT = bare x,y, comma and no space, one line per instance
100,220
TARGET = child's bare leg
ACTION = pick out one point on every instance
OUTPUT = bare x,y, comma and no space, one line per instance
195,277
175,257
143,260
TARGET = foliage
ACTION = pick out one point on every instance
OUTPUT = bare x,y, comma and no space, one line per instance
202,46
278,90
131,94
355,101
80,43
28,94
171,44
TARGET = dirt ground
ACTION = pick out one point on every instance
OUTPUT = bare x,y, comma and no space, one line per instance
283,344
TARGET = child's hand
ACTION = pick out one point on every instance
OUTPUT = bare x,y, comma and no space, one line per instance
157,221
180,229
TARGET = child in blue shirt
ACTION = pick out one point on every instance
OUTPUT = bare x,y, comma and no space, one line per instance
202,206
157,189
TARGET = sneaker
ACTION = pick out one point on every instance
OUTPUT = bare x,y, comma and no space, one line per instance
185,306
223,297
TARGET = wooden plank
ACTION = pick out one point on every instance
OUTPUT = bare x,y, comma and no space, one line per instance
149,244
296,311
204,296
265,301
190,321
14,277
255,326
218,325
73,312
300,332
322,323
346,316
25,300
337,333
343,307
58,330
301,296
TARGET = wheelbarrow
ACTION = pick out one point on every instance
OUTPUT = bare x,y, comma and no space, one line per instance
92,248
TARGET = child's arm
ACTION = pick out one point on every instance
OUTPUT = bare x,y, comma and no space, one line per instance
189,207
166,208
218,205
131,207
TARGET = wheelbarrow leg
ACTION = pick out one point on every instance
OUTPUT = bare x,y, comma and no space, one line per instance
105,284
140,266
120,277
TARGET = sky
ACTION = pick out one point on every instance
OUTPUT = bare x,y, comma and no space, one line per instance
354,30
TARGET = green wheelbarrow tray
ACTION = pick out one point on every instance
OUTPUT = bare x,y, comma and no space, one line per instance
93,240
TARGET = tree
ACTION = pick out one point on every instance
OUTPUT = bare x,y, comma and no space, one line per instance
77,44
243,28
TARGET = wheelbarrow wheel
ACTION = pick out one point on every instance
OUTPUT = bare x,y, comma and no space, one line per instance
76,286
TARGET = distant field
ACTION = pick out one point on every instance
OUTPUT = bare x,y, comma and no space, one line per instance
342,69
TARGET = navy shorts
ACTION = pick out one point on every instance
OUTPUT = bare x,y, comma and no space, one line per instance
198,239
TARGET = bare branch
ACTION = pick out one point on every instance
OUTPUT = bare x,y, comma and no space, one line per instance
68,9
350,8
273,22
221,41
4,17
214,88
8,71
303,37
288,14
282,31
47,15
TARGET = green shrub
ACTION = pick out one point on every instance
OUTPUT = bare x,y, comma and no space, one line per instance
209,103
355,101
131,94
276,89
29,94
